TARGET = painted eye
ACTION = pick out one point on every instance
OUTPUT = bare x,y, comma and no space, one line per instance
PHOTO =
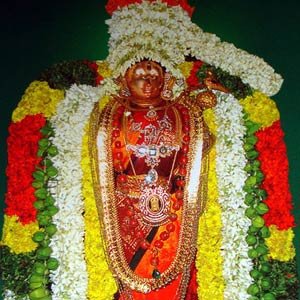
139,72
154,72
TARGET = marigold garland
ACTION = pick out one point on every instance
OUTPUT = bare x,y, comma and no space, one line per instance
38,98
22,145
103,69
280,244
261,109
274,165
209,275
186,68
210,120
97,267
17,236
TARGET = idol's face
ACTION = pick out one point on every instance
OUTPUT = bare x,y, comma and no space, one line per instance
145,81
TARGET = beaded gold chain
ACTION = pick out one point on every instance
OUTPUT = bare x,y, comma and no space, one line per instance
101,129
154,202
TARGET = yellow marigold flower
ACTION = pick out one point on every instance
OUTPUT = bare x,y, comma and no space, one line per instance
104,70
280,244
98,270
209,260
18,237
38,98
186,68
210,120
261,109
104,100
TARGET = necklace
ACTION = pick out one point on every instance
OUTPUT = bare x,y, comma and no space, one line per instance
108,165
160,138
155,206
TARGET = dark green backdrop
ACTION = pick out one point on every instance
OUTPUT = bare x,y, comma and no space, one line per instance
36,34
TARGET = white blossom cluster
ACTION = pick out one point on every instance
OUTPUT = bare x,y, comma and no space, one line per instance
70,279
166,34
231,177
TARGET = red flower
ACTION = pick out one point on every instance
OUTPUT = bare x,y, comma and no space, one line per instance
94,67
274,165
193,81
112,5
22,147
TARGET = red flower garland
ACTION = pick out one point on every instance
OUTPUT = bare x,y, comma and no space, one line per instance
112,5
274,165
94,67
22,146
193,81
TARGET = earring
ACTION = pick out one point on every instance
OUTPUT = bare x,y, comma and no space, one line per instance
167,93
124,91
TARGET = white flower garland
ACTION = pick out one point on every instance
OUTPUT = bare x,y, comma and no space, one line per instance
166,34
70,279
149,30
231,177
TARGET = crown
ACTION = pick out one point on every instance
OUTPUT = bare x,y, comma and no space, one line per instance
113,5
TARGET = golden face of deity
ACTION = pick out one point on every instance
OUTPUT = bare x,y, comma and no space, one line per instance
145,82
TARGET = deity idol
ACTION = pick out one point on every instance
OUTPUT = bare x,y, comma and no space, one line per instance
149,183
151,174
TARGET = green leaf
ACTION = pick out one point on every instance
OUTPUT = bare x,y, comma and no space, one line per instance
39,175
251,181
258,222
253,129
46,130
49,200
51,171
52,151
37,184
252,140
38,236
252,154
262,208
46,162
39,204
43,143
41,193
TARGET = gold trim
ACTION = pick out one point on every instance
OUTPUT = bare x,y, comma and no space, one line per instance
104,189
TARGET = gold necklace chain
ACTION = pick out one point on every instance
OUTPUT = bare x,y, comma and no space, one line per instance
104,190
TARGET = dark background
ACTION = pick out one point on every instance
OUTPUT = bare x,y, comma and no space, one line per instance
37,34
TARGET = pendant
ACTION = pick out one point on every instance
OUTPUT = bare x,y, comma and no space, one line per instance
155,205
151,177
156,274
151,114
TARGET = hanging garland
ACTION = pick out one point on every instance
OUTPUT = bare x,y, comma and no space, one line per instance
78,273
